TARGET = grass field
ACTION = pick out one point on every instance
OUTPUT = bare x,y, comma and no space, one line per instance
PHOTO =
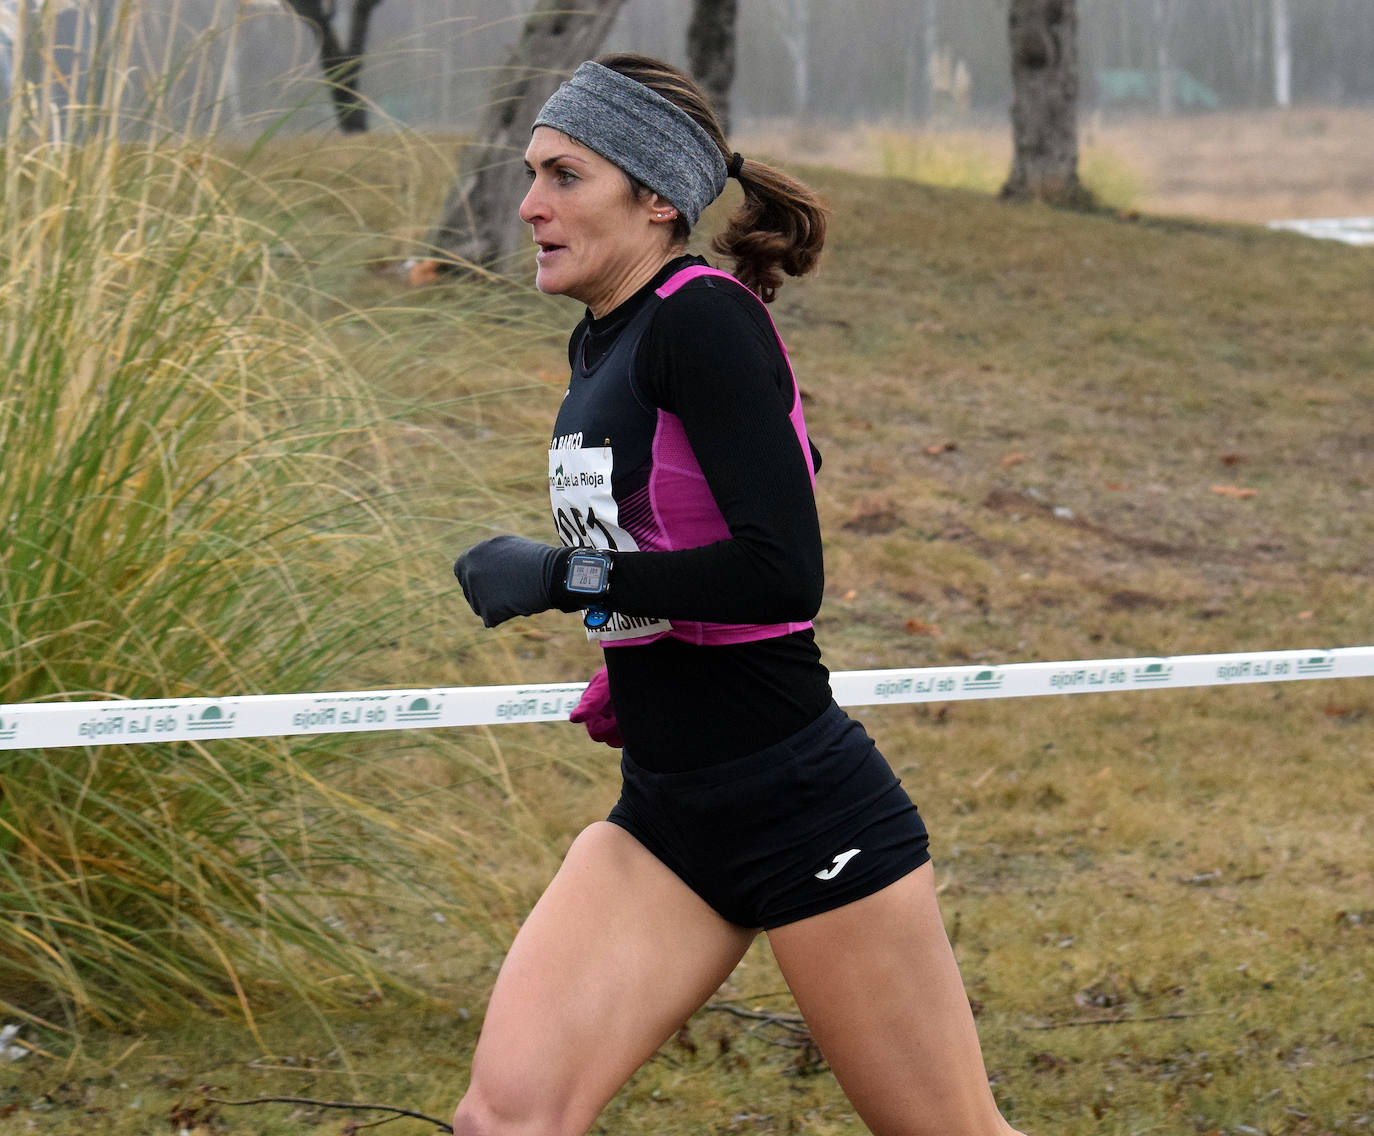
1256,166
1032,424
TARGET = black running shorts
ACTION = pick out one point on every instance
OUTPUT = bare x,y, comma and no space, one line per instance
807,825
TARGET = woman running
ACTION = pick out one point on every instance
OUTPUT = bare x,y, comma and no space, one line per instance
681,479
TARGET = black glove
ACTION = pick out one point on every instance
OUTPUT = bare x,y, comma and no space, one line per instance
507,576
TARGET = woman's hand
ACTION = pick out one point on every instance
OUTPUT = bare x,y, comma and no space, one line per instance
596,712
507,576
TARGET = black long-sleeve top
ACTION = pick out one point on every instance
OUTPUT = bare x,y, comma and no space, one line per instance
710,357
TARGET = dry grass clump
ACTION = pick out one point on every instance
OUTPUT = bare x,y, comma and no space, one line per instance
202,497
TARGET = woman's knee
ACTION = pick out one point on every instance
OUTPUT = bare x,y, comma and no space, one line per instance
476,1117
479,1114
468,1119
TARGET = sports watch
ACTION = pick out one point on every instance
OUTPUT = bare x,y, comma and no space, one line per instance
589,574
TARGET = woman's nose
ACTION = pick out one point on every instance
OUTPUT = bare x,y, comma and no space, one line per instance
532,207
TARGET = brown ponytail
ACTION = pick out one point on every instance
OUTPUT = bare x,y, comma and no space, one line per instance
779,227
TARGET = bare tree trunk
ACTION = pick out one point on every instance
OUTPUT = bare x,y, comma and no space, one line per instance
793,19
800,43
341,62
1257,48
1283,55
931,42
1165,14
479,224
1163,69
711,52
1044,111
228,105
922,54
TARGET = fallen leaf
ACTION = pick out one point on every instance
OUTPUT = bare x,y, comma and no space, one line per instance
422,272
1306,614
850,595
938,448
921,627
1233,491
1232,459
1016,457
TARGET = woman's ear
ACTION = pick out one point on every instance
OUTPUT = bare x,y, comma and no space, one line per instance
662,210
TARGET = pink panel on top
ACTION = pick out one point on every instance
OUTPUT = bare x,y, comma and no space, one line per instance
685,512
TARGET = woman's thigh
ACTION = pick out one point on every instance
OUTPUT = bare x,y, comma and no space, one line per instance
880,989
615,956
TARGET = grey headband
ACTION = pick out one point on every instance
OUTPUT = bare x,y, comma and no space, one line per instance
644,134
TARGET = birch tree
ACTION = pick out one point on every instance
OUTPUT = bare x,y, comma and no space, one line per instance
1283,55
794,26
922,56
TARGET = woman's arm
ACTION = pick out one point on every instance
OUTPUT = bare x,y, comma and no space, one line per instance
712,358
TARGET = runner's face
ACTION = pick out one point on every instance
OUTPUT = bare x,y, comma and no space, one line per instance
597,242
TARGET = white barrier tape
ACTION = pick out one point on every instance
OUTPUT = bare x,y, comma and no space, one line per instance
59,724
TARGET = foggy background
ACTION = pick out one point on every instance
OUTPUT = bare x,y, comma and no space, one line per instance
831,62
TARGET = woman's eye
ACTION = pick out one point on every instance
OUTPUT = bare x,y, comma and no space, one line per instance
559,177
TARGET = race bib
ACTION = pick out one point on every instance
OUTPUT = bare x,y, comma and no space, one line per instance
586,515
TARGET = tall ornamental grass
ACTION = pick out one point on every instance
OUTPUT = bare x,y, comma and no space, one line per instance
192,489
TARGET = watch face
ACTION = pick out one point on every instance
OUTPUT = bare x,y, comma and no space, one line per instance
586,574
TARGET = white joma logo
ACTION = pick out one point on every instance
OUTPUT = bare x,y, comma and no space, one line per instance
838,866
